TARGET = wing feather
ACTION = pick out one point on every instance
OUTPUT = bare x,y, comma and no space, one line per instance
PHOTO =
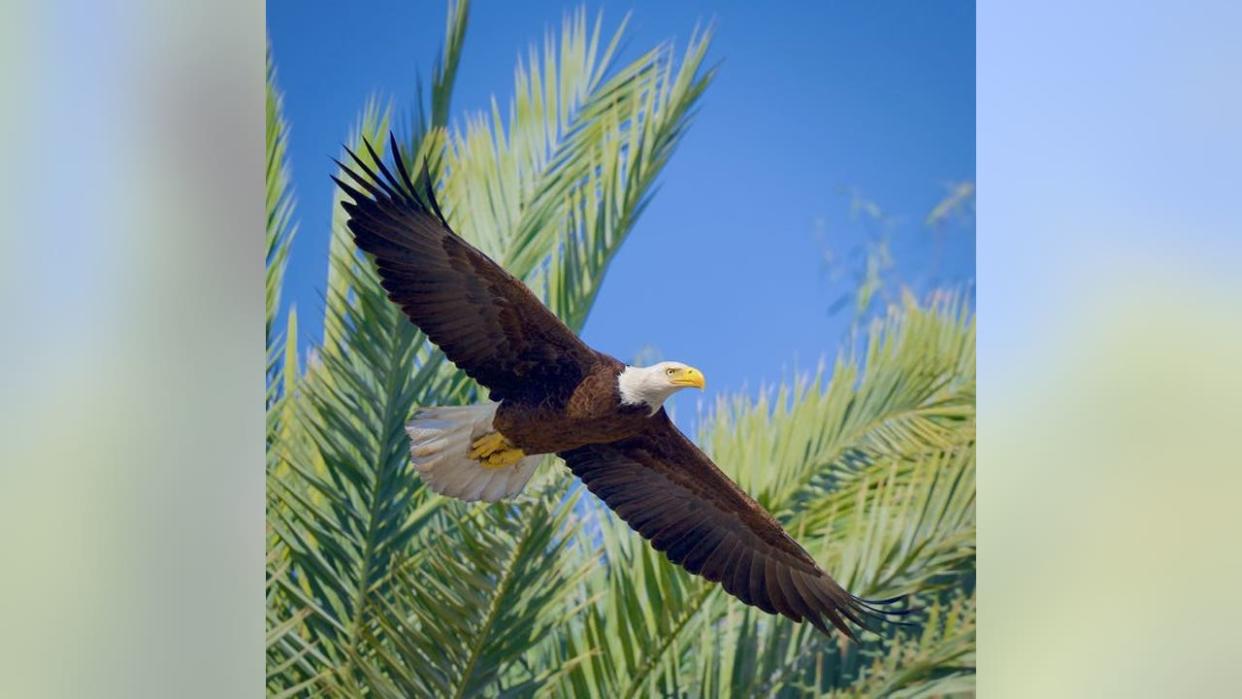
484,319
671,493
721,559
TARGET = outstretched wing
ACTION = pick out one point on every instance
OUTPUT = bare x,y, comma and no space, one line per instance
668,491
484,319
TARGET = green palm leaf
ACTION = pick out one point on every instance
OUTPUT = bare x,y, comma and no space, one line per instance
939,661
280,230
469,606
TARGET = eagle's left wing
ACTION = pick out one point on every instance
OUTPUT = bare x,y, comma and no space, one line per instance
485,320
672,494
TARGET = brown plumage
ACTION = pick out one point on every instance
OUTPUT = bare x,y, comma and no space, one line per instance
557,395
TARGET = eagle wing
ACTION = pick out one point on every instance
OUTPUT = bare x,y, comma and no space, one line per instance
672,494
484,319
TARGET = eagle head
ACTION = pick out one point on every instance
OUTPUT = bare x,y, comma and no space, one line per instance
652,385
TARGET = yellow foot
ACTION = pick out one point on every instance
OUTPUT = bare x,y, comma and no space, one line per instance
492,450
502,459
487,444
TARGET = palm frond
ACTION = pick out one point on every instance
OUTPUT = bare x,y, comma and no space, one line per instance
342,488
468,607
909,391
444,71
938,661
279,205
294,665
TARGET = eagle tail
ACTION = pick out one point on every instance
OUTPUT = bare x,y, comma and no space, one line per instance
441,440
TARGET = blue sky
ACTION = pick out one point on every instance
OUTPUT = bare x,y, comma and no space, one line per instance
816,107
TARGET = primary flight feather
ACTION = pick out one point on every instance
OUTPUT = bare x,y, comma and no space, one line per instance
552,394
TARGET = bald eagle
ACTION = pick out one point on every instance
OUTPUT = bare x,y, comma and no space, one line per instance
552,394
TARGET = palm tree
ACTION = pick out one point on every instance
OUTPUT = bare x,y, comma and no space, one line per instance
378,587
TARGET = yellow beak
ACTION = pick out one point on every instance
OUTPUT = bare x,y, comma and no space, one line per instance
690,377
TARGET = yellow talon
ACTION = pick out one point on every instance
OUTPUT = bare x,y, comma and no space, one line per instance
504,458
492,450
488,444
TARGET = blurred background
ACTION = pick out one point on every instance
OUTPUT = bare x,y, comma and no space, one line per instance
131,476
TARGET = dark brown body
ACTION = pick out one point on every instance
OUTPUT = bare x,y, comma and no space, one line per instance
590,413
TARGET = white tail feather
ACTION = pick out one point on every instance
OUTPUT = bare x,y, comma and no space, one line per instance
440,440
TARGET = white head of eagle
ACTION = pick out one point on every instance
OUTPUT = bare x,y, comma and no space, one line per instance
652,385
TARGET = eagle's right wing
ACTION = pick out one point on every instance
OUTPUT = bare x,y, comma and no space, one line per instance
672,494
484,319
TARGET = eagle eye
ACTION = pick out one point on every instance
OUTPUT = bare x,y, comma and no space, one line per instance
670,371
